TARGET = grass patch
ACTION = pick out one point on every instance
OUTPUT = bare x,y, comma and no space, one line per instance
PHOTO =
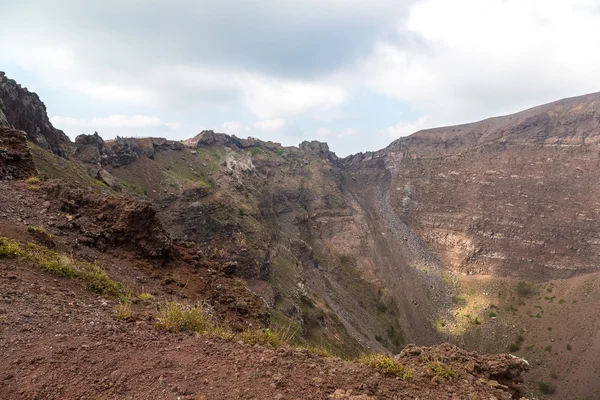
548,349
263,337
145,296
35,188
442,370
32,181
124,311
179,317
387,365
9,248
95,278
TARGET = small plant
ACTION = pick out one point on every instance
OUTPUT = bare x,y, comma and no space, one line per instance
275,338
561,301
442,370
548,349
517,344
35,188
473,320
550,329
179,317
124,311
9,248
381,307
145,296
458,300
32,181
547,387
387,365
492,314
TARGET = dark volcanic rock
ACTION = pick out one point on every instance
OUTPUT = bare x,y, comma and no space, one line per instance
105,221
92,149
25,111
15,157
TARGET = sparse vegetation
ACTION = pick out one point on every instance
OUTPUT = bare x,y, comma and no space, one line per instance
548,349
459,301
516,346
124,311
32,181
179,317
387,365
145,296
547,387
96,278
442,370
267,337
9,248
492,314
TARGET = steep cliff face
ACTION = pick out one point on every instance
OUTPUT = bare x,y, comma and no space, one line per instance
509,196
23,110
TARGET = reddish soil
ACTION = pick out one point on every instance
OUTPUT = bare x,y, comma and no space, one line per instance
61,341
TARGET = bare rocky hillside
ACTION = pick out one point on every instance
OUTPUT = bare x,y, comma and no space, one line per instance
483,235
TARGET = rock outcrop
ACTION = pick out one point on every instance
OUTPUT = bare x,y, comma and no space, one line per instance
501,371
23,110
16,161
92,149
106,221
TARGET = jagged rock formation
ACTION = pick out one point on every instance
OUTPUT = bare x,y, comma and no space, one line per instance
25,111
106,221
16,161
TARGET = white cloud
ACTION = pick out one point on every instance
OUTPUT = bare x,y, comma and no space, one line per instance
234,127
403,128
326,133
270,124
473,59
270,97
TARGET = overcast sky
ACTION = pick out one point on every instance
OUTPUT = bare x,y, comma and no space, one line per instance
357,74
